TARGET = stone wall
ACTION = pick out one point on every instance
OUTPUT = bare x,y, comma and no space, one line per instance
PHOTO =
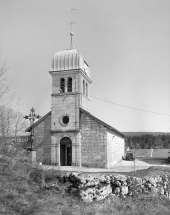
97,187
55,147
65,105
93,142
115,148
65,74
42,133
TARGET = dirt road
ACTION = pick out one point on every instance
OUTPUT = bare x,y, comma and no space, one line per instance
122,166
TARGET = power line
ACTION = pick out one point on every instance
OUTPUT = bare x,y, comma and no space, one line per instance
147,111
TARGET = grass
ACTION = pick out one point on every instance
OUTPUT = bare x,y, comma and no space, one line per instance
19,196
67,205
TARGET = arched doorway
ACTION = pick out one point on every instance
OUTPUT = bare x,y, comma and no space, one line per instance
65,152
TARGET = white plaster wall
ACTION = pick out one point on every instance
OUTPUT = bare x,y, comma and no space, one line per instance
115,148
157,153
84,102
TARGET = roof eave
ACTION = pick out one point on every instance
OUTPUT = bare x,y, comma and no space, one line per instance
36,123
103,123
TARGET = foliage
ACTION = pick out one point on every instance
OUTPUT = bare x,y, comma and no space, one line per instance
149,141
21,196
51,175
52,202
15,165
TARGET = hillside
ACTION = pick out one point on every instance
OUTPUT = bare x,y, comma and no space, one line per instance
144,133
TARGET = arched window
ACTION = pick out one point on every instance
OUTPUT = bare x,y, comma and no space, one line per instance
69,86
83,87
86,89
62,85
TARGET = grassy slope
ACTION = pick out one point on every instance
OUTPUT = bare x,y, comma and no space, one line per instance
17,197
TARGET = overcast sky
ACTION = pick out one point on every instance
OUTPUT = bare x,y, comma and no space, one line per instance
125,42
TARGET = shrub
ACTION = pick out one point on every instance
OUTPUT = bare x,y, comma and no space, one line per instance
36,175
51,175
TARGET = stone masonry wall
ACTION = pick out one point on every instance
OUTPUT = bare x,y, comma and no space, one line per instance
115,148
55,153
97,187
65,105
56,80
42,133
93,142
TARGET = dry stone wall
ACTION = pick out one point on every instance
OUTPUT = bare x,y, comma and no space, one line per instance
94,187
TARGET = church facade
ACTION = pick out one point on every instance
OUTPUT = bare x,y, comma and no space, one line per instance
69,135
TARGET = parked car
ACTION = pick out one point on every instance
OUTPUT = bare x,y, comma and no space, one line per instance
129,156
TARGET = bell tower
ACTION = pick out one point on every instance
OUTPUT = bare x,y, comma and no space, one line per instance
70,92
70,89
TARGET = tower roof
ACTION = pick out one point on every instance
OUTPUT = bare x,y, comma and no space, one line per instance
67,60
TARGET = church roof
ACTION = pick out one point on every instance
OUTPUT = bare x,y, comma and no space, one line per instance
67,60
85,112
36,123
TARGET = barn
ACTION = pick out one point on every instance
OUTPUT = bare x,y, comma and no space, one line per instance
69,135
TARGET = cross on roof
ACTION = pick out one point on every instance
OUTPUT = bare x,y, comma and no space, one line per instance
71,23
72,9
71,33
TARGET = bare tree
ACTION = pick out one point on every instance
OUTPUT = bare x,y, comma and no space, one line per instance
13,156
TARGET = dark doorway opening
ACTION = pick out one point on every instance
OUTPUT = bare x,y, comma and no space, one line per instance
65,152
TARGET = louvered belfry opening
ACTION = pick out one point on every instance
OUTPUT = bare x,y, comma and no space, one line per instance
83,87
69,89
86,90
62,84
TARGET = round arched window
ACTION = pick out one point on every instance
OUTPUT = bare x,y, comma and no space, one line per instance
65,120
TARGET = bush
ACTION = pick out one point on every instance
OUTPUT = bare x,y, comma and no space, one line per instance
51,175
36,175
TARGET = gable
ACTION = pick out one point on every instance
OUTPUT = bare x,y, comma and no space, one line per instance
102,123
81,111
38,122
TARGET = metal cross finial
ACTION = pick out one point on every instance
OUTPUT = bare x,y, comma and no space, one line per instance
71,33
71,23
72,9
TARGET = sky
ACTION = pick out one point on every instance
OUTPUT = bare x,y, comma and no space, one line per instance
125,42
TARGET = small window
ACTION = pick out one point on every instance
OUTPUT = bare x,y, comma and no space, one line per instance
65,120
83,87
86,89
62,85
69,88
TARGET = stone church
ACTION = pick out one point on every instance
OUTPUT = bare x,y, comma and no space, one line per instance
69,135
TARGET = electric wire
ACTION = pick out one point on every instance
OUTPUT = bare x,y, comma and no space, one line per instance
125,106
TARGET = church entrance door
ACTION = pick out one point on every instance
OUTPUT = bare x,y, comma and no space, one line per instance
65,152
